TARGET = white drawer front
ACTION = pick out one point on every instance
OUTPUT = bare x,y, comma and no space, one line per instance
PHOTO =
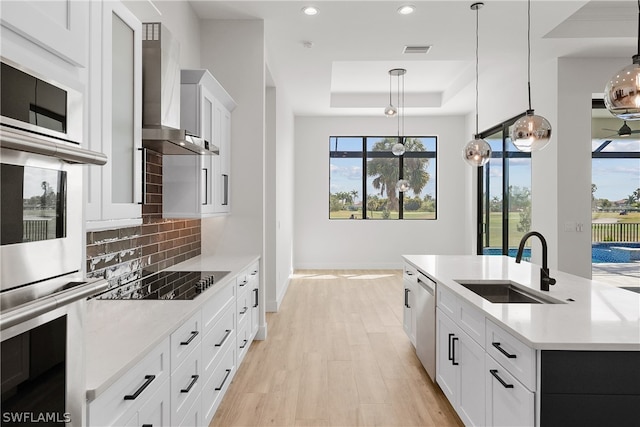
186,385
509,403
518,358
447,302
243,339
193,417
216,387
185,339
472,321
217,304
138,385
241,281
243,305
253,271
410,273
217,341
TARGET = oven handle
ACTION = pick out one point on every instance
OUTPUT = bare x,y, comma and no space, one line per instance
50,303
22,141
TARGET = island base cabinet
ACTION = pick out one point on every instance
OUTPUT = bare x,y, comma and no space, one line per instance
460,370
509,403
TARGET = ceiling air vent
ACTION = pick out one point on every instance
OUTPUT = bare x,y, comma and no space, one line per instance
416,49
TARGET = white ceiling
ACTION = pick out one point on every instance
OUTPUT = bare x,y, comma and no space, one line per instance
355,43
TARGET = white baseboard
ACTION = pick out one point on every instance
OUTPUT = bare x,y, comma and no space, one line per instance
274,306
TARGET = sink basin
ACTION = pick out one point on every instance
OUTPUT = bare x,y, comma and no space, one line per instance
506,292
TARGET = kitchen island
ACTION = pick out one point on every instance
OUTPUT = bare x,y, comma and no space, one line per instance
572,361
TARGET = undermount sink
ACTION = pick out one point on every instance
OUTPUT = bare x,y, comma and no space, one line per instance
506,292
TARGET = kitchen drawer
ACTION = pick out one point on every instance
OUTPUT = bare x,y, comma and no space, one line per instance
186,386
217,341
243,339
509,403
518,358
253,271
185,339
410,273
217,304
447,302
472,321
216,387
193,417
243,305
124,397
241,281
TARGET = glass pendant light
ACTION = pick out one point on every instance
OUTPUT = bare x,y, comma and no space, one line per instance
390,111
477,152
398,148
622,93
530,132
402,185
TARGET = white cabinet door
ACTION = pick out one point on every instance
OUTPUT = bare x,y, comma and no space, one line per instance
254,282
509,403
222,120
471,399
115,190
446,369
58,26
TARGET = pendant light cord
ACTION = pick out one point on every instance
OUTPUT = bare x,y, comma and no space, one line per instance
402,140
477,44
399,106
529,50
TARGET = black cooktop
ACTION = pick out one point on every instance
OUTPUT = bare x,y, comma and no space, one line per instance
167,285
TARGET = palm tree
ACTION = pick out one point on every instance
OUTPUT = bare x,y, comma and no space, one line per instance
385,170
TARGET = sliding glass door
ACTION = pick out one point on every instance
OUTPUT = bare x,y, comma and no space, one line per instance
504,194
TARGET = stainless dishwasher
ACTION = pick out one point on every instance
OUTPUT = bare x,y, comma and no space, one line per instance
425,304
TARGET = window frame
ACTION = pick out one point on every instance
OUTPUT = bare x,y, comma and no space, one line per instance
364,154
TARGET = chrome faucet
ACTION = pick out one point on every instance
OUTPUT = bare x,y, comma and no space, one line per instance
545,280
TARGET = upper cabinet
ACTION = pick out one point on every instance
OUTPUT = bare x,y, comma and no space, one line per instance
57,26
115,190
197,186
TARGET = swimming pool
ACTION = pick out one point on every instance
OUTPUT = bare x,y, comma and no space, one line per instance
600,252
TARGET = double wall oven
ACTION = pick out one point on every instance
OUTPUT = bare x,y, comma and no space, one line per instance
42,285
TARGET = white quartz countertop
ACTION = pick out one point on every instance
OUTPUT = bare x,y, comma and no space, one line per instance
119,333
600,317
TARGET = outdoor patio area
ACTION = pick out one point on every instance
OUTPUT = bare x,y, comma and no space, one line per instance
618,274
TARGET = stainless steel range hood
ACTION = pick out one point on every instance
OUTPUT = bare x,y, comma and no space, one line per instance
161,96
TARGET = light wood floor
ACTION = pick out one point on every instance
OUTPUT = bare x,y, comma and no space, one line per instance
335,355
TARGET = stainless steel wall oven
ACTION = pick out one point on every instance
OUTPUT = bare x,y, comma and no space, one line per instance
42,288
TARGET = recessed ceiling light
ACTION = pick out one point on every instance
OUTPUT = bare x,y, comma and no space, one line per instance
407,9
310,10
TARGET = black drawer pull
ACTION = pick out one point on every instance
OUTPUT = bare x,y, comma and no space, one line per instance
148,380
244,343
450,357
223,381
194,378
193,335
254,272
243,283
226,335
494,372
244,310
406,297
255,294
453,351
503,351
147,425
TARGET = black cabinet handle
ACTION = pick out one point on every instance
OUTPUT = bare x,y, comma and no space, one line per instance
406,297
244,343
223,381
243,283
244,310
193,335
206,185
409,273
453,351
147,425
450,357
148,380
503,351
194,378
494,372
255,294
254,272
226,335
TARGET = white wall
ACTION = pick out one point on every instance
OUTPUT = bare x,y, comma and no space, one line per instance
234,53
323,243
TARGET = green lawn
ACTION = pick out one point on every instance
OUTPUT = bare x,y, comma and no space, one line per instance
344,214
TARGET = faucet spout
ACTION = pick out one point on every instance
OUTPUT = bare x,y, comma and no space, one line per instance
545,279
